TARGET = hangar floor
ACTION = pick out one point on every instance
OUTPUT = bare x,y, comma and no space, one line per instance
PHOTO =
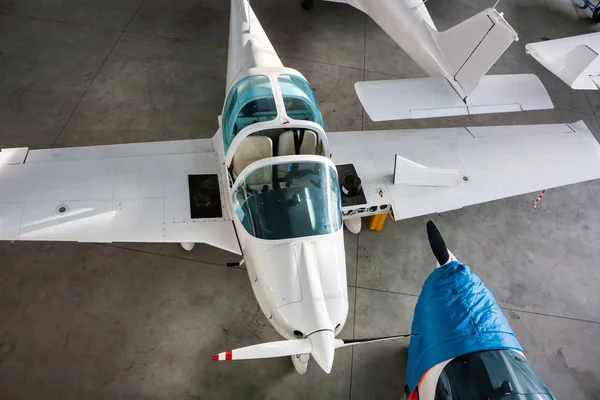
95,321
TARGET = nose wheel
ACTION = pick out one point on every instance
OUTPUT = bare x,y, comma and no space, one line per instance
300,362
306,4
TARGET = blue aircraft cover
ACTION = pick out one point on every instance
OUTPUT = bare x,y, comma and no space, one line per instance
456,314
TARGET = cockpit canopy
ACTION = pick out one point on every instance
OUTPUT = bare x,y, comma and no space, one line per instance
252,100
289,200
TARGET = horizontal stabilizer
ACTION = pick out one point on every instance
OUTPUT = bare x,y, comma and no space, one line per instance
573,59
434,97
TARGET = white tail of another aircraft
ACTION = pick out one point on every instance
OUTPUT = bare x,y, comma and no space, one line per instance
462,55
573,59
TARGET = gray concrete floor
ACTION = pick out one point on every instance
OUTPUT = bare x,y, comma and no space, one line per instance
96,321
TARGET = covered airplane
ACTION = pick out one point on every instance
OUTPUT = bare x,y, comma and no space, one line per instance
274,188
462,345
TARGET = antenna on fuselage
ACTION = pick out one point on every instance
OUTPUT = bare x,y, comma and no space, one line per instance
248,15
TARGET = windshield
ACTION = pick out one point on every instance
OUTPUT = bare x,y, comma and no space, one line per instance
299,99
495,374
290,200
249,101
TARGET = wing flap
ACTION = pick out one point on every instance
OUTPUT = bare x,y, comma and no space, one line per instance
120,193
492,162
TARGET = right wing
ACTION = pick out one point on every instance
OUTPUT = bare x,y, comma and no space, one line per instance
419,172
141,192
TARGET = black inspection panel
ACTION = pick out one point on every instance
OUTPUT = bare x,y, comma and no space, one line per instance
205,196
343,171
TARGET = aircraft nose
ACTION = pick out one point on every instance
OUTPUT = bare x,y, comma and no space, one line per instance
323,349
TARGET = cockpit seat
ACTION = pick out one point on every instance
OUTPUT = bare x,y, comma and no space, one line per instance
251,149
301,144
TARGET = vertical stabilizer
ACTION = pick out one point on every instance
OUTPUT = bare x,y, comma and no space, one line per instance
472,47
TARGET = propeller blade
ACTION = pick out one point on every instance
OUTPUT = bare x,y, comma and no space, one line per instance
437,244
339,343
267,350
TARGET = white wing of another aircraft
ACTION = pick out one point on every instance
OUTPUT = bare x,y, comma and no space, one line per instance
438,170
143,192
573,59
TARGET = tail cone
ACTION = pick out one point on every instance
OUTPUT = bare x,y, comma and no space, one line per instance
323,349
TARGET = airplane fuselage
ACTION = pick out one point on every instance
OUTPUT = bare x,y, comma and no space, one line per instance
296,267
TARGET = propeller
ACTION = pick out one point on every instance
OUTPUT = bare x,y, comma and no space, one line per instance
320,345
438,246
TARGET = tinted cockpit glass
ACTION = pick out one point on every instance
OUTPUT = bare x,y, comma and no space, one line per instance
249,101
494,374
290,200
299,99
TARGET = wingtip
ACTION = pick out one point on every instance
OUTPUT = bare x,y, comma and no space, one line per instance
215,357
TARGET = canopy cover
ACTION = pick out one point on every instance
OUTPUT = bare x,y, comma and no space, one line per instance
456,314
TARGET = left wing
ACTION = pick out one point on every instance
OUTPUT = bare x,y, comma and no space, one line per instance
418,172
142,192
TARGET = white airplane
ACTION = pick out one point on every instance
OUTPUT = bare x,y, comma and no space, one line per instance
456,61
267,187
573,59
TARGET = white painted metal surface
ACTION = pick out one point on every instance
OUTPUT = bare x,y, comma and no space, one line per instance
407,172
13,156
573,59
462,55
249,46
493,162
434,97
120,193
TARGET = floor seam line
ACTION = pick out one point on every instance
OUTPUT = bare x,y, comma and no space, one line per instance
578,112
59,22
168,256
502,307
354,322
386,291
321,62
284,55
550,315
96,74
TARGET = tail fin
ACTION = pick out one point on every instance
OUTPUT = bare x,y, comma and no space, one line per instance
575,60
472,47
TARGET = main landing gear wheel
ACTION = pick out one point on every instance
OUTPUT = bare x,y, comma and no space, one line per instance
300,362
188,246
307,4
353,225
